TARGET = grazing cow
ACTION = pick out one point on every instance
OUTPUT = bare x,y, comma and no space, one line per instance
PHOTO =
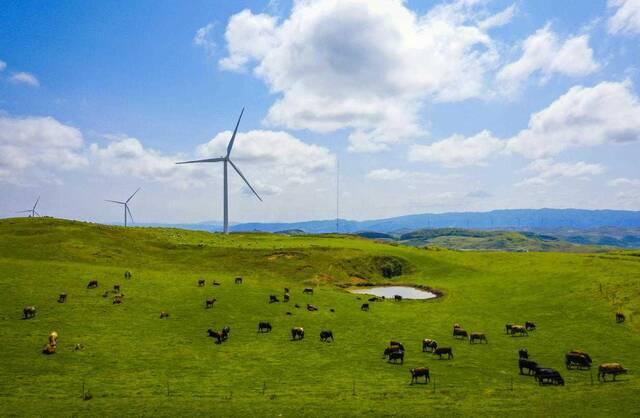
396,355
297,333
507,327
523,353
325,335
288,313
418,372
620,317
164,314
391,349
29,312
238,280
209,303
117,299
216,283
397,298
429,345
286,290
92,284
577,359
116,288
459,332
308,290
441,351
613,369
62,298
582,353
375,299
273,299
296,306
264,327
477,336
200,282
332,310
548,376
518,329
530,365
529,326
219,336
311,308
127,274
285,298
364,307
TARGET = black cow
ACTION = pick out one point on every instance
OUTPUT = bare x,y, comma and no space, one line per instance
62,298
286,290
620,317
209,303
529,326
285,298
459,332
308,290
507,327
396,344
200,282
311,308
518,329
297,333
477,336
396,355
92,284
164,314
548,376
441,351
29,312
273,299
530,365
397,298
216,283
325,335
264,327
238,280
578,359
364,307
420,371
429,345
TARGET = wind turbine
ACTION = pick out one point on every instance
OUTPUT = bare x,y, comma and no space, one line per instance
126,206
32,211
226,160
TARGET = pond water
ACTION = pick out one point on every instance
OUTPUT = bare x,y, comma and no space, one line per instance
406,292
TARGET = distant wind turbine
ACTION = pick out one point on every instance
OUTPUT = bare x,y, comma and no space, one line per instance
32,212
226,160
126,206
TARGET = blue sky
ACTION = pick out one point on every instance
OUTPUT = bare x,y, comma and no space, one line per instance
430,106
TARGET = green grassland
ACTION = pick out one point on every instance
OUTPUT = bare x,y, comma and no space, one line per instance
135,364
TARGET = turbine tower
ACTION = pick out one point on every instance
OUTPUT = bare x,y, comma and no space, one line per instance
32,212
226,160
126,206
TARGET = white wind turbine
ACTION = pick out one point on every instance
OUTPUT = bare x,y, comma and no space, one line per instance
226,160
126,206
32,212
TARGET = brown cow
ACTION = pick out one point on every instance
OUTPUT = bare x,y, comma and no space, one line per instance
419,371
477,336
613,369
164,314
518,329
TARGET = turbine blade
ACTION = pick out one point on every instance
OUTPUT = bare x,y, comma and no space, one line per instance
129,211
36,213
114,201
131,197
208,160
233,137
245,180
23,211
37,200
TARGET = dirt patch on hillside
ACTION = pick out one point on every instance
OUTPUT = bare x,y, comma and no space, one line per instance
287,255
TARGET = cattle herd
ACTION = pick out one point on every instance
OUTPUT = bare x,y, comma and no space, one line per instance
395,351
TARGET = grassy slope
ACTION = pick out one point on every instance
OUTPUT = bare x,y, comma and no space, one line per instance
131,355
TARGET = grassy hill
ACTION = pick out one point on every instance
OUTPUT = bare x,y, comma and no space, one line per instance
136,364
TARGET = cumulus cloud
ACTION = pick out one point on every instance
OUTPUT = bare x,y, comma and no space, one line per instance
499,19
24,78
270,161
626,18
361,65
546,171
544,53
387,174
38,147
458,150
203,39
624,182
584,116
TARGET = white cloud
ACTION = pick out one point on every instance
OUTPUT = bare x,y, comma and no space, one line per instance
548,172
203,39
24,78
37,147
458,150
499,19
270,160
626,18
544,52
387,174
3,65
584,116
366,66
625,182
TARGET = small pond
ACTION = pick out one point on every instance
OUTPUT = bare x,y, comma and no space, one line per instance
406,292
